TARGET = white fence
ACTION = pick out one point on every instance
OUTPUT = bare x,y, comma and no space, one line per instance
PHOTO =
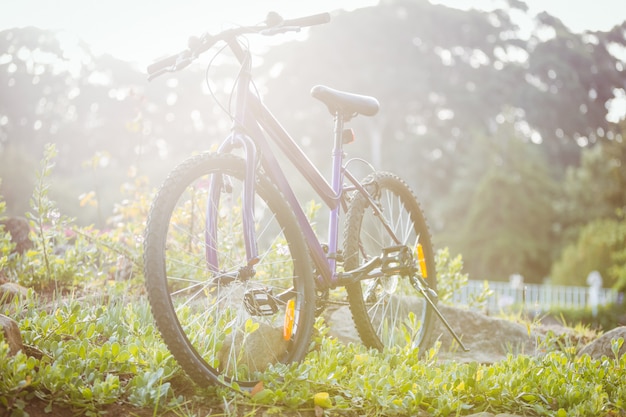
533,297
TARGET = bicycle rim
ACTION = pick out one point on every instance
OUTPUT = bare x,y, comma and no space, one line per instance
222,324
389,310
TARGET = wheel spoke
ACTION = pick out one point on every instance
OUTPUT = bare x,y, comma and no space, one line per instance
222,321
387,310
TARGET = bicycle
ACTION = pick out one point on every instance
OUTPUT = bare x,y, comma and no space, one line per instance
235,272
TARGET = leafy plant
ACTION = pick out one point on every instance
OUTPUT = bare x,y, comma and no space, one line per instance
66,257
90,353
6,246
59,259
451,278
44,217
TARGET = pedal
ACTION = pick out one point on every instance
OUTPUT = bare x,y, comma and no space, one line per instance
396,260
260,302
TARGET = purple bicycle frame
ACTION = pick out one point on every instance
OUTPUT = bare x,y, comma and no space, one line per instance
253,124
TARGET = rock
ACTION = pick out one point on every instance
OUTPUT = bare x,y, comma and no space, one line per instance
489,339
257,350
11,333
341,325
10,290
602,346
19,229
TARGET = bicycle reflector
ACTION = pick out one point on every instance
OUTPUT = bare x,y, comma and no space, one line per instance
422,261
290,316
348,136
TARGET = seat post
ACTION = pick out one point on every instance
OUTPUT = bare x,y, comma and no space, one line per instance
338,133
337,155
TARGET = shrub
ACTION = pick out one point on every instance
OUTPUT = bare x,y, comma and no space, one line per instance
601,247
451,278
66,256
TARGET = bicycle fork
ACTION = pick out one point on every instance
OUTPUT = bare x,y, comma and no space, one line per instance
215,188
237,139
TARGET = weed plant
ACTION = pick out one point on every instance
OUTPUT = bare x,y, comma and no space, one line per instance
91,347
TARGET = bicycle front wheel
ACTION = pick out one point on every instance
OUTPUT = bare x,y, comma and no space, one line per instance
226,319
388,310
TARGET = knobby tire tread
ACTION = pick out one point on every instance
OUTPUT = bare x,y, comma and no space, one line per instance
156,282
357,208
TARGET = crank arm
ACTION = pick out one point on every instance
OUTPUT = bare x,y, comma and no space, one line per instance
365,271
427,292
285,296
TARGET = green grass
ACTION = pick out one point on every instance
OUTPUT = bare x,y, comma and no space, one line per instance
88,355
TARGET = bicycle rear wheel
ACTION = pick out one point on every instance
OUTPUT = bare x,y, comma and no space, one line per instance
389,310
229,322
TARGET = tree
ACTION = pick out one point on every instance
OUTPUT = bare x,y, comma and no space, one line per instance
89,105
503,224
459,92
591,217
600,247
594,189
449,82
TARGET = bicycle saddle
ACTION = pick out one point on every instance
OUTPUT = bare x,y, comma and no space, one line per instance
348,104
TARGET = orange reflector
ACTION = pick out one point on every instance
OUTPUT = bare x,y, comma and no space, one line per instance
290,316
421,260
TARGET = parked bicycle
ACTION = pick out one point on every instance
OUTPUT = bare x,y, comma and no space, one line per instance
235,272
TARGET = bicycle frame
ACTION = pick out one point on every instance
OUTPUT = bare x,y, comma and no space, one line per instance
255,130
253,125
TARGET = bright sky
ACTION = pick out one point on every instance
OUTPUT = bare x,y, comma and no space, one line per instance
141,30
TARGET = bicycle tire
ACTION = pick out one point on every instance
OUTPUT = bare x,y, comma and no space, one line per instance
222,328
387,311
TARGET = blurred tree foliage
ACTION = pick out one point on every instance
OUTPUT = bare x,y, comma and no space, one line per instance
507,224
54,90
593,213
596,188
499,119
600,246
483,112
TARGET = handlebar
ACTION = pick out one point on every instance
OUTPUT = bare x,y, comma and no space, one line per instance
317,19
274,24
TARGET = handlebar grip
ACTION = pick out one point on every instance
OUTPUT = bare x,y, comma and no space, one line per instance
316,19
163,63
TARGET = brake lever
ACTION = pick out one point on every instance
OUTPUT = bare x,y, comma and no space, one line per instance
184,63
184,59
158,73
